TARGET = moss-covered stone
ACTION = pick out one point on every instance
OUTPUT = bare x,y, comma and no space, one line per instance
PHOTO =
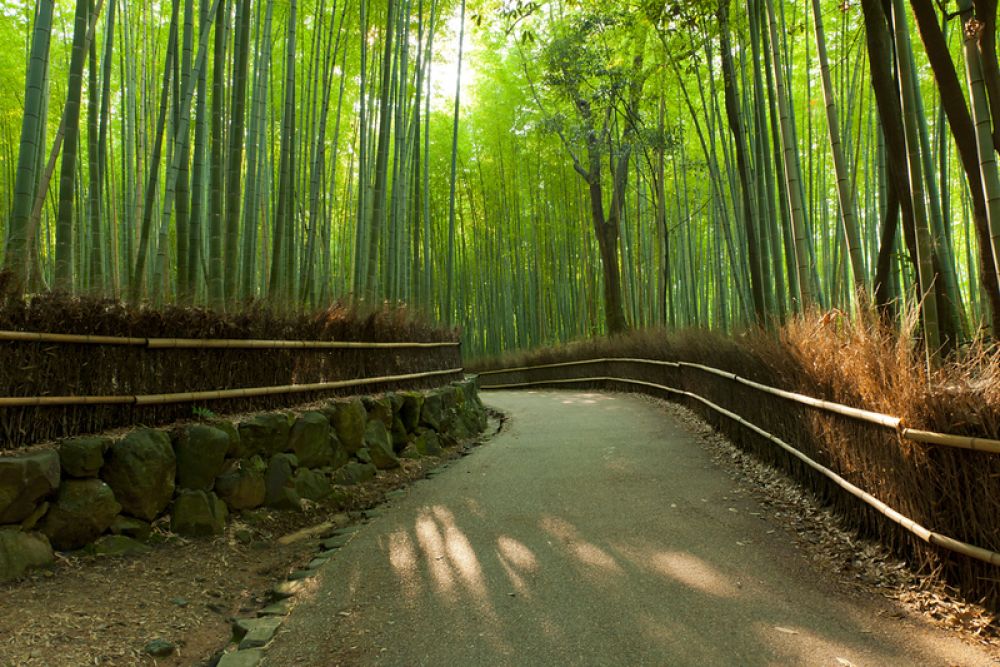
409,412
428,443
432,411
128,526
241,485
82,510
279,483
141,469
310,440
201,453
197,513
235,449
380,408
312,485
25,480
265,434
20,552
83,456
349,421
379,445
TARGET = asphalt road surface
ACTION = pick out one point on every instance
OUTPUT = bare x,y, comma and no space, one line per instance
595,530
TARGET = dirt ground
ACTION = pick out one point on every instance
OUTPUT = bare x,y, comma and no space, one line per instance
104,610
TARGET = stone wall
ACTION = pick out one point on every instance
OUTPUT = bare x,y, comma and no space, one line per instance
102,493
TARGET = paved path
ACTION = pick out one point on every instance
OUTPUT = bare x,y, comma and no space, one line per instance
582,536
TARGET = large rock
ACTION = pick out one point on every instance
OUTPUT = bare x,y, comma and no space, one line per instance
20,552
452,405
24,481
349,422
264,434
409,413
83,456
353,473
36,516
310,440
81,512
127,526
432,411
241,486
140,469
279,483
197,513
340,454
379,408
235,444
379,445
400,438
428,443
201,453
312,485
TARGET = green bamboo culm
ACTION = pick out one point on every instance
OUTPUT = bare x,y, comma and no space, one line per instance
971,29
32,126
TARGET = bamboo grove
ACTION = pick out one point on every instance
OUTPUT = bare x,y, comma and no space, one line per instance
531,172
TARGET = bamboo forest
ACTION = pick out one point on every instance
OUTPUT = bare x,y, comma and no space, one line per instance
499,332
531,172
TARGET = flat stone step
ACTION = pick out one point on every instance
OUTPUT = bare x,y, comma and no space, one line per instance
248,658
260,631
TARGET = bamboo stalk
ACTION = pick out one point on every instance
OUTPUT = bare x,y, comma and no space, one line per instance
205,343
197,343
69,339
857,413
36,401
672,364
888,421
189,397
925,534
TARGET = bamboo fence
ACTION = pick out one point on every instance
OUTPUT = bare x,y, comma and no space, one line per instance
877,418
55,385
888,421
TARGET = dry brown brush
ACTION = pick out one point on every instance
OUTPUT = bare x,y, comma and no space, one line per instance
954,492
33,369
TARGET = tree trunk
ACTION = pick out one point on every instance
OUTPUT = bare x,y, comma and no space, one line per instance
32,125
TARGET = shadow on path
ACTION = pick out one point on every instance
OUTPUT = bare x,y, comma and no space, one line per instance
594,531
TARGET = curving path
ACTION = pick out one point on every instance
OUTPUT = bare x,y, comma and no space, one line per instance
594,530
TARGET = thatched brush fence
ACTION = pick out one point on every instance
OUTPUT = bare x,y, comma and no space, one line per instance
74,366
932,497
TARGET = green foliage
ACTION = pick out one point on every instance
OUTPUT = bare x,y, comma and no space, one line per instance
638,85
203,413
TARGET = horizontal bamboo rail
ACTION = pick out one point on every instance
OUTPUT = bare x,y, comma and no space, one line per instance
191,397
888,421
213,344
925,534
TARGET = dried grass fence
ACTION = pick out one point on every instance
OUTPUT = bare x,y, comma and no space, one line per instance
933,498
102,365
